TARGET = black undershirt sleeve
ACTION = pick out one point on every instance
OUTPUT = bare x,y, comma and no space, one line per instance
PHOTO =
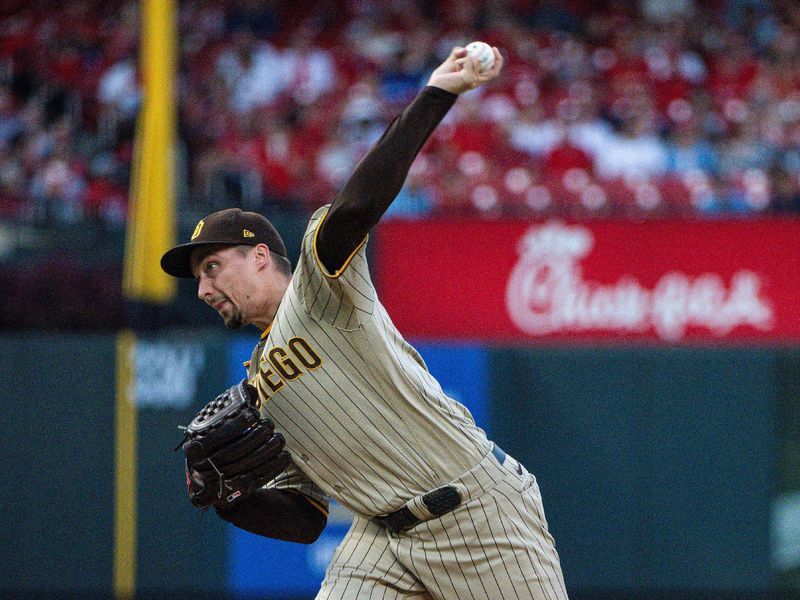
379,177
277,514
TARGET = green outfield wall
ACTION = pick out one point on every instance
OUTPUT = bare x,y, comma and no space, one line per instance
58,518
661,468
657,466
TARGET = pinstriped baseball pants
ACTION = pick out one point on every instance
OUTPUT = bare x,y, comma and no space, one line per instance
494,546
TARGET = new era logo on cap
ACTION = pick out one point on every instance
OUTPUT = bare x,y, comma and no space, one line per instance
229,227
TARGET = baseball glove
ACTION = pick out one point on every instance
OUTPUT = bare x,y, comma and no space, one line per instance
231,450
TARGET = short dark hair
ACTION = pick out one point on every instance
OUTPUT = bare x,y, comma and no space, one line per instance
282,263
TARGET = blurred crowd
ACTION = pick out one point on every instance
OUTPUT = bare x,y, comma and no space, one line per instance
653,107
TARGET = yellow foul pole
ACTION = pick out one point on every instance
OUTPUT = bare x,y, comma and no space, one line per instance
151,217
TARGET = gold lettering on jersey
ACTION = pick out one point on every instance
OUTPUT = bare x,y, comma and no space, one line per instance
279,366
274,386
263,394
284,365
304,353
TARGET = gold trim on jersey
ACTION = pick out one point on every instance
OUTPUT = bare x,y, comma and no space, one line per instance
263,336
341,269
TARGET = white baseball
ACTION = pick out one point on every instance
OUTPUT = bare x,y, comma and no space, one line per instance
483,53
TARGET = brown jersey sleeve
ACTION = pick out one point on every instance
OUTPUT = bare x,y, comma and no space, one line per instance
379,177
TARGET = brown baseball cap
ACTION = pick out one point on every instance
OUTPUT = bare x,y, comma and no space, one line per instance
229,227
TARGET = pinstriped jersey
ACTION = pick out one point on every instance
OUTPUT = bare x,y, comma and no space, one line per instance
291,479
362,416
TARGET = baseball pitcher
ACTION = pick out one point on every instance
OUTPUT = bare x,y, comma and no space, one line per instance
338,405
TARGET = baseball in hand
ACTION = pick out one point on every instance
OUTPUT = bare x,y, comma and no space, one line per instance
482,53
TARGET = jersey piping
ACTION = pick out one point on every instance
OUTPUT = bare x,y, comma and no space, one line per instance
340,270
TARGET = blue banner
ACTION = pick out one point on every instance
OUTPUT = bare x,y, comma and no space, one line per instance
258,565
462,371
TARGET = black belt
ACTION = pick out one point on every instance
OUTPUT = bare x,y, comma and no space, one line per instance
439,502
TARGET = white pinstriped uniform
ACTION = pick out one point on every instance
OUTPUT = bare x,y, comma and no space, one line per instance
368,425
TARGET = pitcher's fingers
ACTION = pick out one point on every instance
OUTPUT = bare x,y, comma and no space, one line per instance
457,52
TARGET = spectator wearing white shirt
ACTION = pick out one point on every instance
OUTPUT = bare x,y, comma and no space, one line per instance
635,149
310,70
253,71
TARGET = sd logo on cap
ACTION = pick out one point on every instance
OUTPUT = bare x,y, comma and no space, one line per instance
229,227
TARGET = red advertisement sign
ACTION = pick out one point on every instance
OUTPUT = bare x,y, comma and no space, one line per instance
659,281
